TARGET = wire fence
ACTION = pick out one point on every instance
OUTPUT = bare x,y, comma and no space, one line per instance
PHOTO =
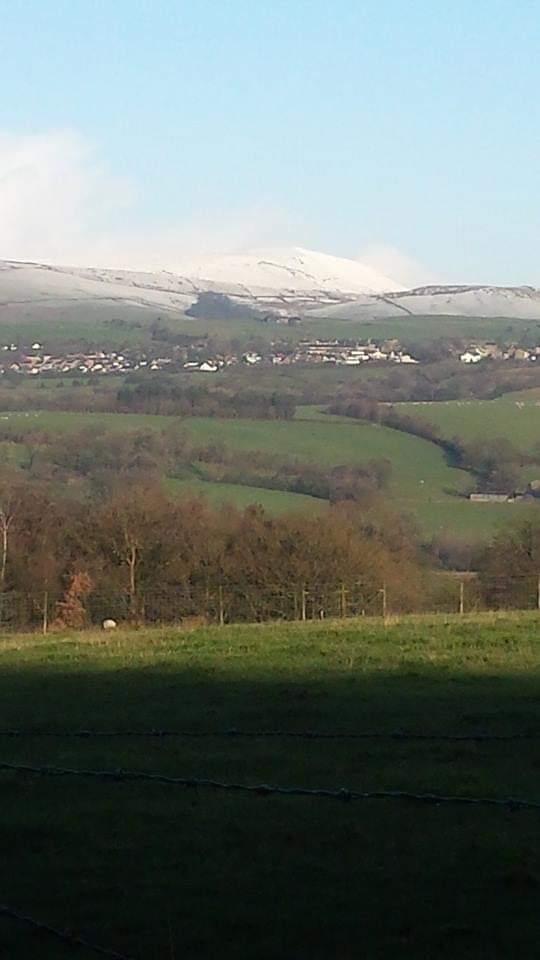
64,936
197,604
396,735
266,789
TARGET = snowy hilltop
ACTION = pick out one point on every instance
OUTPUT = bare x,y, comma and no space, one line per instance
291,279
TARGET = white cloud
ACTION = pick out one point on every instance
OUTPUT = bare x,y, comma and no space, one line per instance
59,205
54,196
393,263
166,246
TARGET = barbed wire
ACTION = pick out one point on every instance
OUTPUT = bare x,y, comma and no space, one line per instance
264,789
65,935
157,733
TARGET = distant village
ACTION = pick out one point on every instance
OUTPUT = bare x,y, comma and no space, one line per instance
34,360
492,351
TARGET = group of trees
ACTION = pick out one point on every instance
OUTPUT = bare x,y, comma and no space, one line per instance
494,463
509,568
138,550
218,306
165,395
87,523
442,380
94,459
162,394
356,482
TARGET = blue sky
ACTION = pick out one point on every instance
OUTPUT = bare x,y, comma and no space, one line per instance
145,130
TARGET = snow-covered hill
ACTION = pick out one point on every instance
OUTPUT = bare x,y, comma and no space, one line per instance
459,301
290,270
291,276
293,279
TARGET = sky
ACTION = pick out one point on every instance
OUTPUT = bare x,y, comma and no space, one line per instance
402,132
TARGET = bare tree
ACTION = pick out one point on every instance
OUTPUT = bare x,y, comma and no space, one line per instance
10,503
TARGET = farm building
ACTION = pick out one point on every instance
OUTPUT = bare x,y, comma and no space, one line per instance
492,497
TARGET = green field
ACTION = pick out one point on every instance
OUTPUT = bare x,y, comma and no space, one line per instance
515,417
423,485
158,871
240,496
423,328
420,472
59,421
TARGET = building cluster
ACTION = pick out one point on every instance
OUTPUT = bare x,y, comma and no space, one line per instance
38,361
215,364
530,493
338,352
492,351
345,353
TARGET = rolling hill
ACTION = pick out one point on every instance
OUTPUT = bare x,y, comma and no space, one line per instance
287,275
423,485
452,301
334,296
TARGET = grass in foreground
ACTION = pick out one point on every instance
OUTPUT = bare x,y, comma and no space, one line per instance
164,872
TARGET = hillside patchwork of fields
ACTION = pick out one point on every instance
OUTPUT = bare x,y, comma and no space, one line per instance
423,485
420,476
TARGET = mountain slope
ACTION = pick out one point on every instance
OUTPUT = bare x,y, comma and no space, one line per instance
289,270
294,276
459,301
297,280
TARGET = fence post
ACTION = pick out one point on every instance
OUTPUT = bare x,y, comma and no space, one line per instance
538,593
462,596
221,607
384,601
45,612
343,602
303,598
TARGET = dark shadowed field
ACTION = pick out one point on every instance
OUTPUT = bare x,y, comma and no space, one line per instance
162,871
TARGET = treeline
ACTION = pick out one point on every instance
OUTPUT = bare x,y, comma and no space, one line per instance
159,395
510,568
336,484
494,463
264,392
442,380
138,554
165,396
138,546
95,458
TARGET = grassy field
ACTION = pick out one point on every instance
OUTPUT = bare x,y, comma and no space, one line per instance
422,329
423,485
420,473
159,871
59,421
243,495
515,417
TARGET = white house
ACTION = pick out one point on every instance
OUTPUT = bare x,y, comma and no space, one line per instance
406,358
